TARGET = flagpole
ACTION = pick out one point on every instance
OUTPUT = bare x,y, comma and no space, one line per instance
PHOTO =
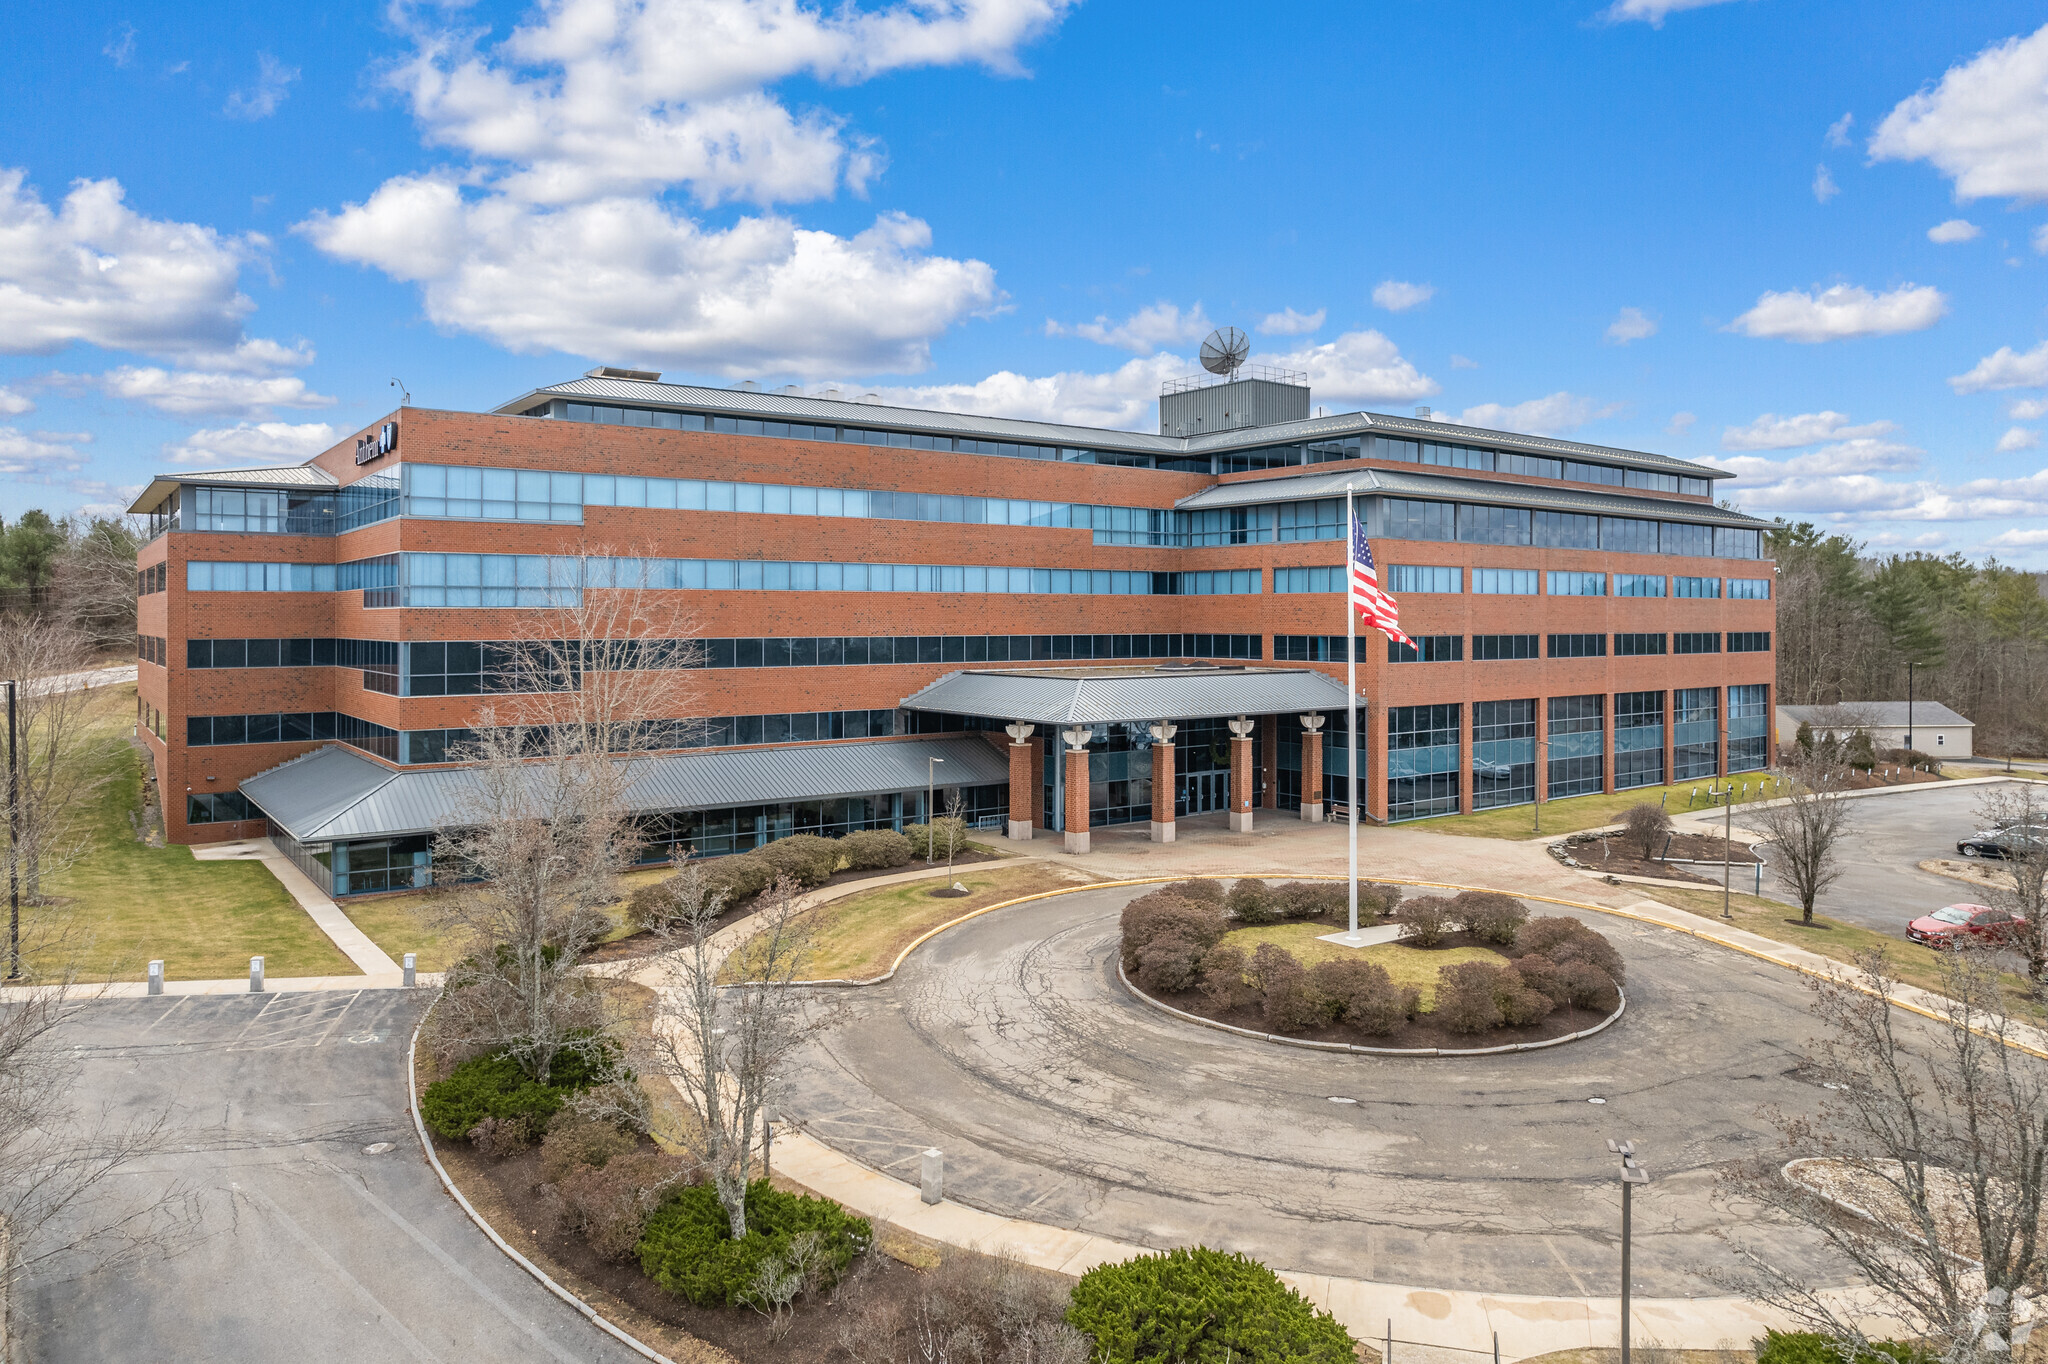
1351,687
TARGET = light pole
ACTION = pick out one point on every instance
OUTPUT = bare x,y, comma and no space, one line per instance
13,841
1727,836
930,789
1632,1174
1542,775
1909,705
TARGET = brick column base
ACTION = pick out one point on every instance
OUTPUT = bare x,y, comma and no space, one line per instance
1162,792
1312,775
1242,792
1077,800
1021,792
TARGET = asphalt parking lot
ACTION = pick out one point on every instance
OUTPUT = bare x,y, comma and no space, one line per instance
309,1246
1882,886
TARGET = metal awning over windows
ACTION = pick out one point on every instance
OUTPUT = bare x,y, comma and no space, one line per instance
1085,696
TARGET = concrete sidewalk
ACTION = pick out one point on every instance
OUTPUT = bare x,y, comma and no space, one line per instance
326,915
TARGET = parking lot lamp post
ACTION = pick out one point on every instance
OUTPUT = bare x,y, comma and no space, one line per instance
13,842
1632,1174
1542,775
1727,839
930,789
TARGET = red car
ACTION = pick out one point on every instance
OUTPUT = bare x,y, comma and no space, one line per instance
1953,925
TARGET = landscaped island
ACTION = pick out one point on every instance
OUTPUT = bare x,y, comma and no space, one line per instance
1470,970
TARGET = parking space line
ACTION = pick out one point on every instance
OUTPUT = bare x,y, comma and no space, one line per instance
165,1014
339,1016
356,1186
411,1342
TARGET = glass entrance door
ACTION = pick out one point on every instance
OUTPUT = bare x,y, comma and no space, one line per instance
1203,792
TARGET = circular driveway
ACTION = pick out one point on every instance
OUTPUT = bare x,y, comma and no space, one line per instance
1057,1098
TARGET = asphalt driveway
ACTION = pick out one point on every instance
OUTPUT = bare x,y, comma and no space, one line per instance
310,1248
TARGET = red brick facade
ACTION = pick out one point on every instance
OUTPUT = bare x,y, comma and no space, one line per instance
455,438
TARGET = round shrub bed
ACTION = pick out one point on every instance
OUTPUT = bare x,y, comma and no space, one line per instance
494,1087
687,1246
1468,972
1202,1305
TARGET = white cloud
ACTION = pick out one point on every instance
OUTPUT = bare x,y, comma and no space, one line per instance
2017,438
1362,367
253,443
1954,230
1838,131
2005,368
1143,332
2027,409
2019,539
1357,367
194,393
1824,186
1841,485
95,271
1398,296
625,280
600,97
1681,422
103,498
1630,324
273,82
1773,432
1859,455
2040,240
1841,312
13,404
40,454
1985,125
1288,322
120,48
1651,12
1551,416
1462,362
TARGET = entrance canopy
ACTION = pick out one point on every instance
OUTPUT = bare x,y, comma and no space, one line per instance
1087,696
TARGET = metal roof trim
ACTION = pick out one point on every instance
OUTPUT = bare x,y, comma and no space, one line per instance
277,476
739,402
1056,699
1310,487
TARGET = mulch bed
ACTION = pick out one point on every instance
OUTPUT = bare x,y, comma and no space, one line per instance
1416,1035
643,943
522,1217
1614,853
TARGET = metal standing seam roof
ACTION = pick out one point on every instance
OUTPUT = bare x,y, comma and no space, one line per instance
1887,714
334,795
279,476
1309,487
843,412
1053,697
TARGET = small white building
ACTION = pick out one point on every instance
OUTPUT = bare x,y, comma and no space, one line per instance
1936,730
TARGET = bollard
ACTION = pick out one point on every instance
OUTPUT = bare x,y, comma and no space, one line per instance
255,975
932,1178
412,962
156,977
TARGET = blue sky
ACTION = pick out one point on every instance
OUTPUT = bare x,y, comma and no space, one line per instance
1806,241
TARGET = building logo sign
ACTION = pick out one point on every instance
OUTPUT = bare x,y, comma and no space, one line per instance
379,445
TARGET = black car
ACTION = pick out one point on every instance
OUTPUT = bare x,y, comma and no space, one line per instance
2018,838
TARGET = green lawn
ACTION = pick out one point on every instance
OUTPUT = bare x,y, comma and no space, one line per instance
405,923
1575,813
1407,965
1910,962
127,902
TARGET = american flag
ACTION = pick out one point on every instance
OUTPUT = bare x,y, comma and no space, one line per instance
1375,607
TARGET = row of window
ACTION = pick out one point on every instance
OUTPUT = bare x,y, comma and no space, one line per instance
556,580
1511,648
1449,580
1412,519
544,495
151,649
155,578
1439,454
296,511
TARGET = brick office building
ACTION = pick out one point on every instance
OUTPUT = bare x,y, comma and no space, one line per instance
1068,619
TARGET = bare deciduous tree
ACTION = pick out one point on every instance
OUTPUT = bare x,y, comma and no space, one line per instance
2022,808
544,828
1924,1168
55,710
95,578
1645,826
1805,826
723,1046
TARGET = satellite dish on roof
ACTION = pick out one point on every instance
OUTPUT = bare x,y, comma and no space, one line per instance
1225,350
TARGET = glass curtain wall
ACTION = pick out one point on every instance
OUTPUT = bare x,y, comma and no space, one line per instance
1748,728
1696,718
1577,745
1503,753
1638,739
1422,761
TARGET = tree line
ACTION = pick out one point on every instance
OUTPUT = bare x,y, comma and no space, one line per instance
80,569
1849,622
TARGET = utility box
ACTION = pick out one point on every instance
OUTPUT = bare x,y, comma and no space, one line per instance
1205,403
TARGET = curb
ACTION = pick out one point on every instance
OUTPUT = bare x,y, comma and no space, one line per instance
419,1127
1303,1042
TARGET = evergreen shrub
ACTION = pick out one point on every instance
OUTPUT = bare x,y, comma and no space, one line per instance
873,849
1202,1306
687,1246
494,1086
805,859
